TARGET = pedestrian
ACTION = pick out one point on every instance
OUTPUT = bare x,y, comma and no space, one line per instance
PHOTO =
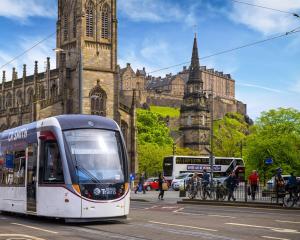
231,184
253,181
279,184
161,180
141,184
292,185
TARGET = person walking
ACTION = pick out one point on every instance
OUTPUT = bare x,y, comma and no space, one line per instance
141,184
253,181
279,184
161,180
231,184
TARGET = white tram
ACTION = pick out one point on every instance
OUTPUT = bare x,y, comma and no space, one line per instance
69,166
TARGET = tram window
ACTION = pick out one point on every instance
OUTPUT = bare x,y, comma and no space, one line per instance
12,168
53,171
19,168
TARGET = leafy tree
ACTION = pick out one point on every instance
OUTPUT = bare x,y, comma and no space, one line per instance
276,135
154,141
229,135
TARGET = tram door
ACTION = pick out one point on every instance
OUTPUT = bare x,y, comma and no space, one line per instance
31,178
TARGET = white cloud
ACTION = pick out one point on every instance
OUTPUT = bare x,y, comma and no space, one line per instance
156,11
39,53
265,98
21,10
260,87
267,21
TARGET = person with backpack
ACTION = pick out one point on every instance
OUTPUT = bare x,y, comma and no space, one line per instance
253,181
279,184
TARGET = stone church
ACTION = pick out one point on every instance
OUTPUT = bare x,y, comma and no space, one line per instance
86,77
87,80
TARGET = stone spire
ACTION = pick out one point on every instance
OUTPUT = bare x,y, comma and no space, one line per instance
3,77
195,73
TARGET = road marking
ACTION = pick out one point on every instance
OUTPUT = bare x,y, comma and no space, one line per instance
282,230
178,210
221,216
36,228
268,237
20,236
283,221
201,214
184,226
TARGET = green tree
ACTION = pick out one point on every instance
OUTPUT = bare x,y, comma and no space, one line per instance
229,135
154,141
276,135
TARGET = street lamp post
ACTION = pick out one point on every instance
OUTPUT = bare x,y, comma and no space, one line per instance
79,54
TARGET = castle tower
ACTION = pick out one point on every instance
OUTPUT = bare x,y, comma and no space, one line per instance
87,36
194,111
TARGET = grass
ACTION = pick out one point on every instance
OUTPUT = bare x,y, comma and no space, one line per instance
166,111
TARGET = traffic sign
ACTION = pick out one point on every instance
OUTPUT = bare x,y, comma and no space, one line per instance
269,161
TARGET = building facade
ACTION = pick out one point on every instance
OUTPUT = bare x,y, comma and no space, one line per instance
85,80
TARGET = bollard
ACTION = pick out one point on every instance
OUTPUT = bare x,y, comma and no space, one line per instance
246,192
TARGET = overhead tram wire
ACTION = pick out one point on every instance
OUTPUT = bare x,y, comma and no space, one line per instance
267,8
296,30
32,47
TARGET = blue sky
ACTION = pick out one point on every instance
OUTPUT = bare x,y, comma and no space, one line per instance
159,33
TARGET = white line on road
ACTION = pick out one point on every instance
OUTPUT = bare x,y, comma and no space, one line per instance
178,210
20,236
201,214
282,230
184,226
284,221
221,216
269,237
36,228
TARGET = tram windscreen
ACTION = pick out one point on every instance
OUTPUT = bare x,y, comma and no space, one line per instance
97,155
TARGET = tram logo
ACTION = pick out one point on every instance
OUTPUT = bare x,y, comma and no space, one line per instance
17,135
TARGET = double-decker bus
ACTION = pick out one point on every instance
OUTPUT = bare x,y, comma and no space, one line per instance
222,166
70,166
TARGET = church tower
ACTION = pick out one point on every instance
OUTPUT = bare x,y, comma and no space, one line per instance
87,48
194,111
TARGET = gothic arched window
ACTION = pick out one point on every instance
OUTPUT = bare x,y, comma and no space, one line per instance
74,23
66,33
98,101
19,98
54,91
8,100
30,96
90,19
106,22
42,91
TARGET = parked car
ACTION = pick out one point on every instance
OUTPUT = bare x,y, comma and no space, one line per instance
151,184
182,180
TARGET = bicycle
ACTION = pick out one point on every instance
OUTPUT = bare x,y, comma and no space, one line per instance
193,190
292,199
221,192
206,191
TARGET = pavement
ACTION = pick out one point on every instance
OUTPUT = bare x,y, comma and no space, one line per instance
172,197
